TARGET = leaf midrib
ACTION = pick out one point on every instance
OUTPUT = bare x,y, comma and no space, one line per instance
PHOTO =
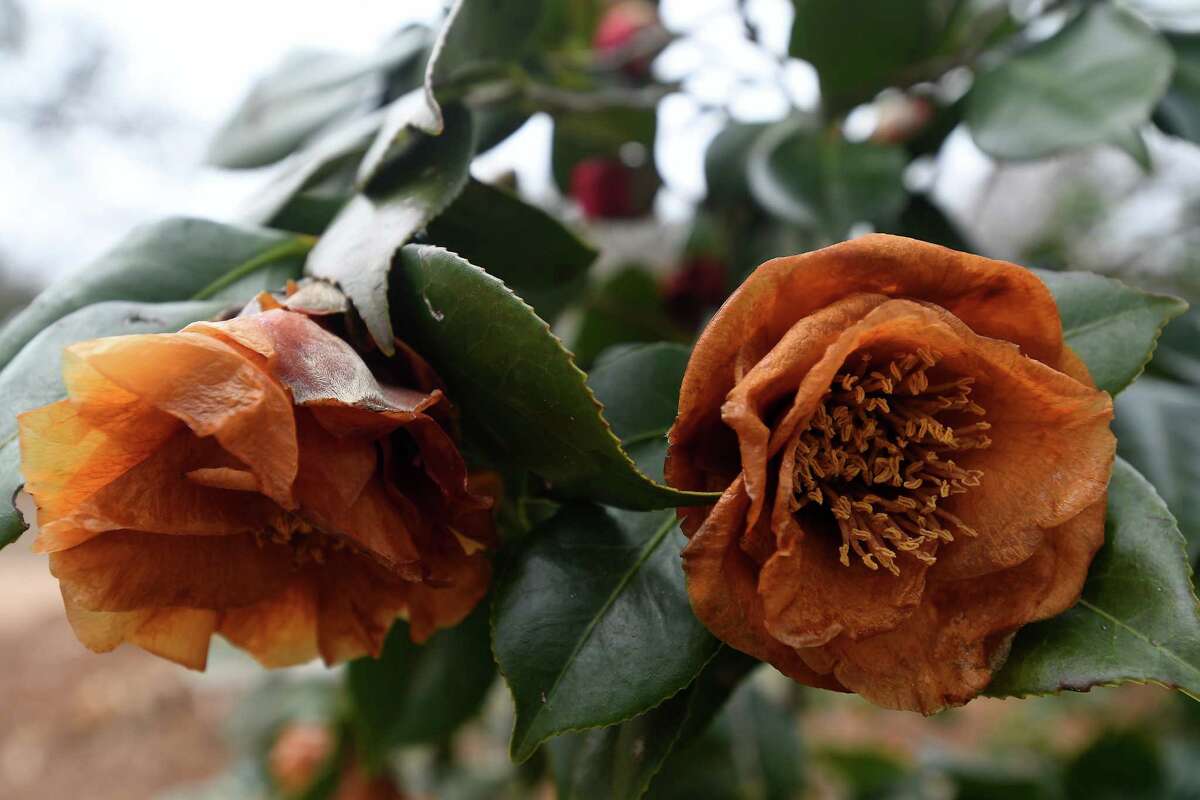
1171,654
648,549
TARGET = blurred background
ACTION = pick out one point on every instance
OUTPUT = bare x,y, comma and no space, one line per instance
111,115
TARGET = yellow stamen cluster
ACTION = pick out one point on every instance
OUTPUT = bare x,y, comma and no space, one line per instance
875,453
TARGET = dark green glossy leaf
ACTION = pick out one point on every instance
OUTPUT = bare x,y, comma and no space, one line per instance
1137,620
618,762
172,259
1111,326
1094,82
625,307
514,381
1157,424
304,94
358,248
1119,765
859,46
1179,111
639,389
544,263
752,749
34,377
592,625
420,693
404,122
825,182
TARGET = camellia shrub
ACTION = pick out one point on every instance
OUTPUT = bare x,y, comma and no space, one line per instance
355,426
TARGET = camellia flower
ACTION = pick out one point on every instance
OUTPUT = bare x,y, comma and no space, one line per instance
913,466
252,478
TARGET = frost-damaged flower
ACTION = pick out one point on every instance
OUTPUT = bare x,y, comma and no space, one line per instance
913,466
252,478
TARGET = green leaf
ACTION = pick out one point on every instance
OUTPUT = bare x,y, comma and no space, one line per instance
1158,431
173,259
826,182
480,38
404,122
639,389
1178,352
420,693
512,378
304,94
618,762
625,307
545,264
859,47
1119,765
358,248
592,624
751,750
1094,82
868,774
34,377
1179,111
1111,326
1137,620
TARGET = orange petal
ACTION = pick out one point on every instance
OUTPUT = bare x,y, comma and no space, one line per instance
721,583
178,634
994,298
214,389
280,630
126,571
809,596
777,375
72,448
161,495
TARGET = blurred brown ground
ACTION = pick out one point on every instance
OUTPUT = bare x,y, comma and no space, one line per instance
125,726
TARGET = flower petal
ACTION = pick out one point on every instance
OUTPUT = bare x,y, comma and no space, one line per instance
809,596
178,634
211,387
127,571
721,583
280,630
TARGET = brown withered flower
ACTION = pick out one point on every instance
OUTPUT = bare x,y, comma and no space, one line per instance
252,478
913,466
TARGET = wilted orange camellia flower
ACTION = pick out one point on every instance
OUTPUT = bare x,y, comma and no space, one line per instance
913,466
252,478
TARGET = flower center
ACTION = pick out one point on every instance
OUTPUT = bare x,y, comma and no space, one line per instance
309,545
876,454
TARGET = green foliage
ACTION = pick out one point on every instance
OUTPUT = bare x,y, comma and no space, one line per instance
825,182
1111,326
34,378
513,379
1158,431
1179,111
1137,620
173,259
592,624
307,92
1120,765
626,307
545,265
859,46
360,244
1095,82
391,696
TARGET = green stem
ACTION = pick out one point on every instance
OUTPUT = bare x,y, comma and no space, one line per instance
298,246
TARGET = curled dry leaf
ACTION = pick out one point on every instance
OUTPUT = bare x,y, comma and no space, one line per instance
252,478
913,466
